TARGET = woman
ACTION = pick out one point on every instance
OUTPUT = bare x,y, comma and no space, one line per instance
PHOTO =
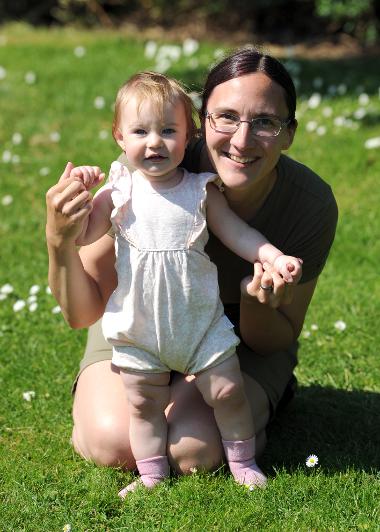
248,119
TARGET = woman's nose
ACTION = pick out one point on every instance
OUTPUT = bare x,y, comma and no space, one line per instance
243,137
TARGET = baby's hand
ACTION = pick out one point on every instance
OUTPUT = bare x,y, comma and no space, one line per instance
289,267
90,176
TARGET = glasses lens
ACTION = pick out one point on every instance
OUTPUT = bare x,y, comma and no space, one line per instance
266,127
224,122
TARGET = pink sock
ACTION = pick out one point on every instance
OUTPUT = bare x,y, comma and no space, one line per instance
152,472
241,459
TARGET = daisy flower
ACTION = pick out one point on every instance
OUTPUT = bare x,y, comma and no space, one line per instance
340,325
28,396
312,460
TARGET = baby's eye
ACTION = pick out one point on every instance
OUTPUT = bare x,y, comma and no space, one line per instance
139,131
168,131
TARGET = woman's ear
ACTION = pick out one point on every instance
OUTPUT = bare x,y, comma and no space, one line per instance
119,139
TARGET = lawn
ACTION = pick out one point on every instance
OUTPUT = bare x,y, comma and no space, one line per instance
56,97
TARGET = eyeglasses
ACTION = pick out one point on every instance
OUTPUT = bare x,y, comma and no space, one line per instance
262,126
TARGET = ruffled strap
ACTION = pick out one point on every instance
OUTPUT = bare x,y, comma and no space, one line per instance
120,183
200,234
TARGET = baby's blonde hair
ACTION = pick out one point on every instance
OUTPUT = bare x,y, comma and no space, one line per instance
159,90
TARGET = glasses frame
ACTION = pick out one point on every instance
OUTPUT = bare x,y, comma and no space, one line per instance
283,123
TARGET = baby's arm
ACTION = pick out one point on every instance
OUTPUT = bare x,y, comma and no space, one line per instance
98,222
244,240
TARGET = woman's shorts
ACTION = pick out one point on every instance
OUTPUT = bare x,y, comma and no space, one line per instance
273,372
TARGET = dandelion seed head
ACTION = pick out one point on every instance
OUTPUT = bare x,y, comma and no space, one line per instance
306,334
321,130
67,528
341,89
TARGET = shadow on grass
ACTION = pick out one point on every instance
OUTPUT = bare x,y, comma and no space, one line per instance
341,427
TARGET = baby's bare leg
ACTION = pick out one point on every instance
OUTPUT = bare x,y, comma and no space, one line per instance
148,396
223,389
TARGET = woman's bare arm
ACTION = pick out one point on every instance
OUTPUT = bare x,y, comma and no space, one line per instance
80,294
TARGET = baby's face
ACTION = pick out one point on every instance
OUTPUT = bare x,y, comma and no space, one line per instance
154,142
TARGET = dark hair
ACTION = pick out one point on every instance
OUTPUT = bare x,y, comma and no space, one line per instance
245,61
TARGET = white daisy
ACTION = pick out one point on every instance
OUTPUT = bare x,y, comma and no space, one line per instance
314,100
103,134
99,102
30,78
7,156
6,200
3,73
6,289
363,99
55,136
370,144
150,49
44,171
79,51
28,396
33,307
48,290
314,327
340,325
190,46
56,310
31,299
16,138
312,460
19,305
34,289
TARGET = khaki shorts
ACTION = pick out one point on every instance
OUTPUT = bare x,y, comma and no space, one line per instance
273,372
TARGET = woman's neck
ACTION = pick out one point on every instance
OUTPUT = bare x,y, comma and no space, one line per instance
246,202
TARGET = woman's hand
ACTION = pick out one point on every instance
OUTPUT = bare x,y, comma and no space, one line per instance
68,204
266,286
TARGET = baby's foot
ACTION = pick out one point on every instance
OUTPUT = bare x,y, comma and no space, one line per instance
152,472
241,459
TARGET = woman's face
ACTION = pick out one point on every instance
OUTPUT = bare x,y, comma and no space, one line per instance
242,159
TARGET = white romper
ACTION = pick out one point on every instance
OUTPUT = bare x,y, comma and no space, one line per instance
166,313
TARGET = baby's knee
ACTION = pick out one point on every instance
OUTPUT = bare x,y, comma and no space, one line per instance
228,394
189,455
106,443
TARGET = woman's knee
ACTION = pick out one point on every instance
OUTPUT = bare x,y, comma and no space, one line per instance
190,454
105,442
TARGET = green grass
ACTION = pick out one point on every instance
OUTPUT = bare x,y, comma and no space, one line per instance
43,484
